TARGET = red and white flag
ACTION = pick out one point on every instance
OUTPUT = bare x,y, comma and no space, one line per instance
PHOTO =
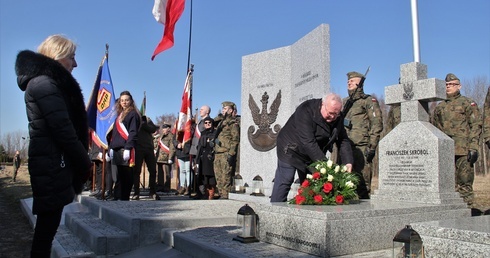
168,13
184,122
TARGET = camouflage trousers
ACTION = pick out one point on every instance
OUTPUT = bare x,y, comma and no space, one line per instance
223,173
464,178
362,168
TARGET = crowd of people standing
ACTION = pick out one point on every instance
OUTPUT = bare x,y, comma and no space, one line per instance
205,165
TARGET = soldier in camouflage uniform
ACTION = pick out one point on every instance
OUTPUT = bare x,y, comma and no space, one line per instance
394,117
459,118
165,153
486,121
363,123
226,147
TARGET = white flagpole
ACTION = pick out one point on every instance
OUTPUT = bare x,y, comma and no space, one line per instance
415,30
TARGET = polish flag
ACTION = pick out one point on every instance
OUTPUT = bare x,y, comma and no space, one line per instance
184,122
168,13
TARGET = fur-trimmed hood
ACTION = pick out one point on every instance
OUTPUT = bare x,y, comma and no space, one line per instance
30,65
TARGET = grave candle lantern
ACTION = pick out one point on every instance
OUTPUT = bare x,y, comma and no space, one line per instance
257,186
247,221
238,184
407,244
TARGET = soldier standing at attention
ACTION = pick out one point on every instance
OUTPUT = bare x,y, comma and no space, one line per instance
225,148
486,121
459,118
363,123
165,154
394,117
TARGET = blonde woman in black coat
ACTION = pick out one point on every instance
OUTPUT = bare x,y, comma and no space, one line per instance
58,133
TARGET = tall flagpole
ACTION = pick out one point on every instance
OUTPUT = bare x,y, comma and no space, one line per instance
415,30
190,40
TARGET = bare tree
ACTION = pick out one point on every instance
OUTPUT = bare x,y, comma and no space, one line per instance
475,89
15,141
166,119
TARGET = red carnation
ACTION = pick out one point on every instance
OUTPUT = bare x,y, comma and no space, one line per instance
339,199
316,175
305,183
300,199
318,199
300,190
327,187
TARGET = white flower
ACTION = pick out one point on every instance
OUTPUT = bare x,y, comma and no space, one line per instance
309,176
329,163
330,178
349,184
344,168
337,168
323,170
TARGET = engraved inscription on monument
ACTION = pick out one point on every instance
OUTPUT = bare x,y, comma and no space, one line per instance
306,78
407,168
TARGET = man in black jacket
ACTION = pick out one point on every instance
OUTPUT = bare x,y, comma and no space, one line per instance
145,152
308,134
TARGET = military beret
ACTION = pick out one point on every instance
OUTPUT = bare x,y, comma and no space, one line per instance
351,75
451,77
229,104
165,126
208,118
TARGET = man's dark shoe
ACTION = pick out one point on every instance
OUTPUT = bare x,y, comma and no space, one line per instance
155,196
94,193
135,197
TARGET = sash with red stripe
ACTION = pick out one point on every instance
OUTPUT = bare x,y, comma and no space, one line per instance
197,132
121,128
163,147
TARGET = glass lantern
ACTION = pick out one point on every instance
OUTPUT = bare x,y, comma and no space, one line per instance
407,244
257,186
247,221
238,185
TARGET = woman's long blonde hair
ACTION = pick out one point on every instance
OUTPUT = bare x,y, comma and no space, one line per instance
57,47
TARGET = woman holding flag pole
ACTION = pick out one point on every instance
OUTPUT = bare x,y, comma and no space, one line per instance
122,144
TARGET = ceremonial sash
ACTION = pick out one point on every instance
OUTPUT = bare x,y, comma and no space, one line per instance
121,128
163,147
197,132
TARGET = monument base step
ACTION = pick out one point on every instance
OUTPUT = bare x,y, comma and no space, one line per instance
330,231
463,237
66,244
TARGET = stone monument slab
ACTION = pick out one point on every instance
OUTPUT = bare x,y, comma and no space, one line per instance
345,229
274,83
416,160
464,237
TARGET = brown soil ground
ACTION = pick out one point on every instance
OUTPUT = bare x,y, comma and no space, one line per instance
16,232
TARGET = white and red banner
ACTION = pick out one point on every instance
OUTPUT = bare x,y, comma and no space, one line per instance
184,123
168,13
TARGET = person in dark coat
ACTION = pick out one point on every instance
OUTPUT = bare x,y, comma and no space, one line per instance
16,163
205,157
58,134
145,152
122,145
305,138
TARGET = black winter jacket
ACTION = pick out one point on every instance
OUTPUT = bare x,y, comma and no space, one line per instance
58,130
306,137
